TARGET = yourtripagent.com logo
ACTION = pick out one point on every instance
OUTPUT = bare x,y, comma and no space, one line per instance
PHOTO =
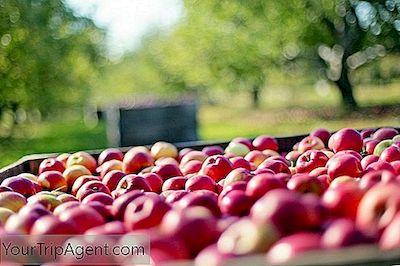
77,250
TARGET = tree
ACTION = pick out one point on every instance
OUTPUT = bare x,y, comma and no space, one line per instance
48,56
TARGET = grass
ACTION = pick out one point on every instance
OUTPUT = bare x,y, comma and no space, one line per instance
285,111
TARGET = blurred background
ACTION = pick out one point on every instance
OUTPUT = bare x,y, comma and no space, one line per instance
69,69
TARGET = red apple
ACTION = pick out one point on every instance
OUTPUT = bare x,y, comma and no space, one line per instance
213,150
240,162
349,152
344,165
367,132
183,152
53,180
322,133
310,160
48,200
347,139
120,203
90,188
305,183
163,149
73,172
390,154
292,156
265,142
110,154
319,171
110,228
82,217
372,178
182,223
396,167
20,184
82,158
66,197
192,167
51,164
287,248
174,183
198,182
380,165
385,133
343,200
63,157
145,212
212,256
193,156
378,208
155,182
244,141
175,195
367,160
4,189
277,166
166,160
261,184
137,159
166,171
310,143
369,146
390,238
112,178
109,166
239,174
203,198
101,197
256,157
236,203
12,200
80,181
52,225
216,167
133,182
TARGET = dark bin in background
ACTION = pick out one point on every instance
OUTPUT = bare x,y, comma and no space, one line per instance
149,124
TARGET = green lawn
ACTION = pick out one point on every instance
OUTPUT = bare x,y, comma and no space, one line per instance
289,111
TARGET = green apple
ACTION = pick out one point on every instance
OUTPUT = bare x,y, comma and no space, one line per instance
396,138
381,146
237,149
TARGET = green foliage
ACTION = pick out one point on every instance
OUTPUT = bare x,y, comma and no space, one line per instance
48,56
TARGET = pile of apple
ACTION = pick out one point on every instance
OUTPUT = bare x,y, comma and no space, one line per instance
328,192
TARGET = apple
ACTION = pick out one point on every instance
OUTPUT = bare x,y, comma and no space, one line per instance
292,157
287,248
310,160
367,160
372,178
4,215
346,164
182,223
166,171
120,203
318,171
396,167
204,198
63,157
321,133
145,212
277,166
280,207
110,154
90,188
183,152
212,256
112,178
80,181
111,228
166,248
256,157
237,149
73,172
240,162
52,180
64,206
346,139
390,238
191,167
344,179
349,152
174,183
198,182
245,141
109,166
52,225
48,200
82,158
310,143
390,154
378,208
51,164
29,176
166,160
193,156
381,146
305,183
265,142
163,149
217,167
137,159
239,185
342,232
385,133
369,146
101,197
367,132
66,197
239,174
380,165
213,150
82,217
155,182
12,200
261,184
20,184
236,203
22,222
175,195
245,237
133,182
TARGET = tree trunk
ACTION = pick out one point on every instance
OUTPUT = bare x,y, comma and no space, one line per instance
255,93
346,90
